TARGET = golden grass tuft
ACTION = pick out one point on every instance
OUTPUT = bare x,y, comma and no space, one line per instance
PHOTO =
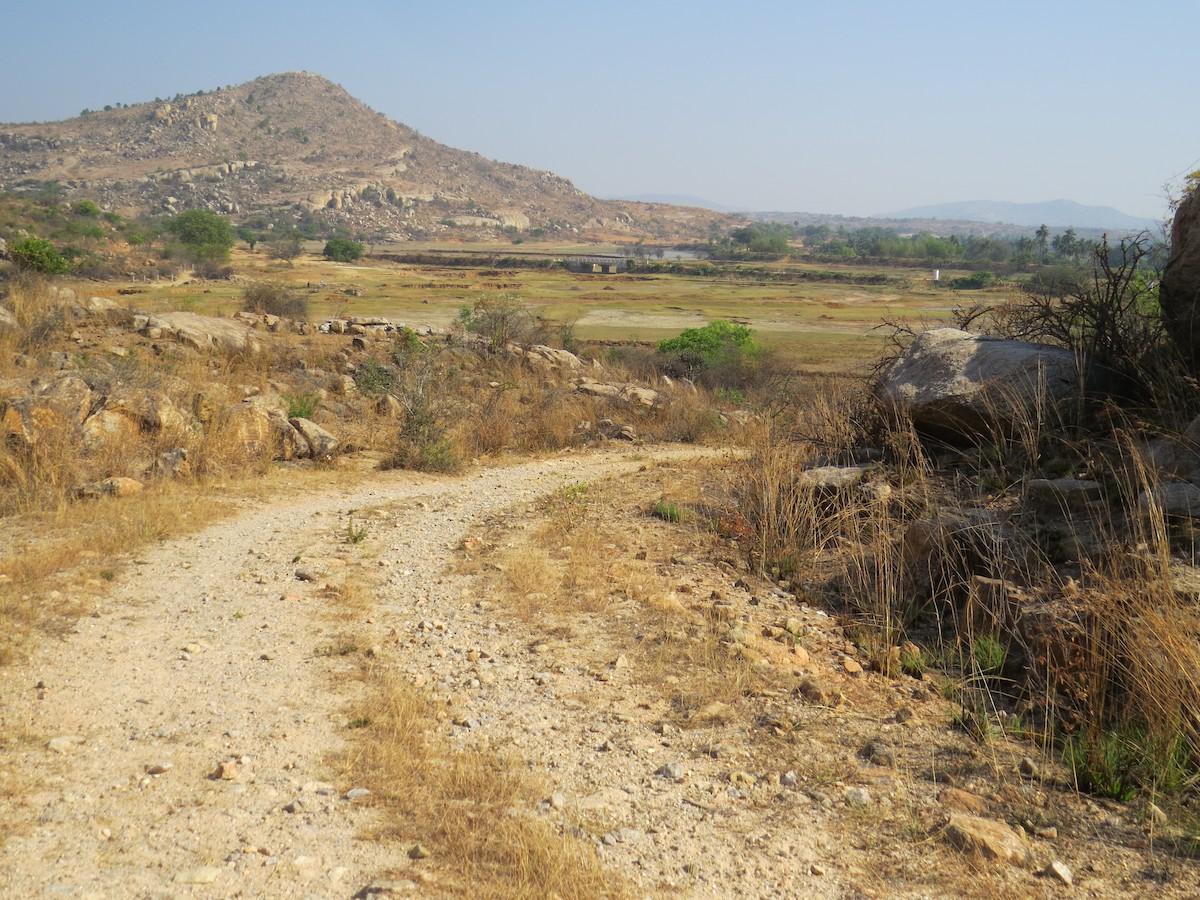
472,809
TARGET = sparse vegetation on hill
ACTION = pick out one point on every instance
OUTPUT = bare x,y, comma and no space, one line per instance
296,150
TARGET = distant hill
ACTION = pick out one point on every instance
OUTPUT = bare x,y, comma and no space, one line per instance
1053,213
295,146
683,200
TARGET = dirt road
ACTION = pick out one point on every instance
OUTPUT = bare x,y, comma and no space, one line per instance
169,734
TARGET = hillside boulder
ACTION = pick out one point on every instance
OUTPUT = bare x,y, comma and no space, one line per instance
203,332
108,429
1179,290
321,443
963,387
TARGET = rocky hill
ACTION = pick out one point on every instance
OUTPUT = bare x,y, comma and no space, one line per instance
291,146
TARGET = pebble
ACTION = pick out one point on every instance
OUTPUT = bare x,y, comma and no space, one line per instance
558,801
878,754
417,851
202,875
1059,871
357,793
674,771
858,797
64,743
1029,768
851,667
1155,814
788,779
159,768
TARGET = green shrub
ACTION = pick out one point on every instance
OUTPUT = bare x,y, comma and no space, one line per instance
343,250
718,352
301,406
37,255
204,234
374,377
501,320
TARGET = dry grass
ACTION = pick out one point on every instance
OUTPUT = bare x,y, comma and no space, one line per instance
56,554
473,810
1111,657
579,569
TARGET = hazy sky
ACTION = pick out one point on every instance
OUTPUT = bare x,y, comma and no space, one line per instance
840,106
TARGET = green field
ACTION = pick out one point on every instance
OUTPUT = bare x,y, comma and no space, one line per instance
819,324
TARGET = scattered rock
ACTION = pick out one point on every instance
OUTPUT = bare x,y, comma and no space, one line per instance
1029,768
202,875
858,797
672,771
64,743
960,386
986,838
1059,871
963,801
878,754
418,851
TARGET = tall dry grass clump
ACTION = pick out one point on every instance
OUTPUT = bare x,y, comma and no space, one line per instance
1062,619
472,809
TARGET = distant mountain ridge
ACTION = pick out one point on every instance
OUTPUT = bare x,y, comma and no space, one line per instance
295,146
1052,213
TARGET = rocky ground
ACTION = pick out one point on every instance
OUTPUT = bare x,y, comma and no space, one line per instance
184,740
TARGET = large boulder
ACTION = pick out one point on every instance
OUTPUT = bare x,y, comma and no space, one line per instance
203,332
56,407
1179,290
964,387
322,444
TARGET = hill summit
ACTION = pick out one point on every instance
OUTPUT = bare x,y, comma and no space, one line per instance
293,146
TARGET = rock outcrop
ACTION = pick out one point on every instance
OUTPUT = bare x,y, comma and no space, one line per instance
963,387
1179,292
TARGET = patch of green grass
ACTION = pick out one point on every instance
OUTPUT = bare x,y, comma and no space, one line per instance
667,511
301,406
355,535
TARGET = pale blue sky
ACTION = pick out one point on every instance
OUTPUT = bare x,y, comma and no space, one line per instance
853,107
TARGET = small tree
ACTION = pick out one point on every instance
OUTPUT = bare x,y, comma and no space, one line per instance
275,300
343,250
37,255
205,235
720,349
249,235
501,320
286,247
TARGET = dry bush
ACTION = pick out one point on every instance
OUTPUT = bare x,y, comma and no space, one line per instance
40,313
275,299
1109,651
